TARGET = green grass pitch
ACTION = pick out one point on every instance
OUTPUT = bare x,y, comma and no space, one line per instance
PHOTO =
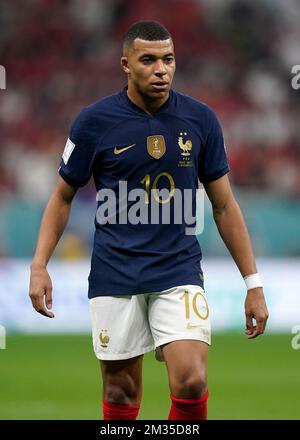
58,377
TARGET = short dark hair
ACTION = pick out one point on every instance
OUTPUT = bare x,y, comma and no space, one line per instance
146,30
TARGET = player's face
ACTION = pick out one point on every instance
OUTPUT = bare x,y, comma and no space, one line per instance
150,66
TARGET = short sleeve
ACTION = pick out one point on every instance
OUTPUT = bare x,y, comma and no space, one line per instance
79,153
213,162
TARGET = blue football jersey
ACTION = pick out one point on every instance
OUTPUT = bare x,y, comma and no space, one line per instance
142,166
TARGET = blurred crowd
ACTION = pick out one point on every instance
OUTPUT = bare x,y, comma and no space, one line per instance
61,55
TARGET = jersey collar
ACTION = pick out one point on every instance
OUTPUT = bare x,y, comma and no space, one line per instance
166,105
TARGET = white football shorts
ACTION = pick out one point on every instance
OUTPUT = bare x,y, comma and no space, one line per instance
126,326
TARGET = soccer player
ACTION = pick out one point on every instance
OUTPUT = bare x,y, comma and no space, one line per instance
151,145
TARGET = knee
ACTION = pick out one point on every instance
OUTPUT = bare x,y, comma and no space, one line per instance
189,385
122,391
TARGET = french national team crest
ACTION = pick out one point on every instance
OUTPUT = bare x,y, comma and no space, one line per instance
186,146
156,146
104,338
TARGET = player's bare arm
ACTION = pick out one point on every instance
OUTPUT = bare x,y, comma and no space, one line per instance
233,230
53,224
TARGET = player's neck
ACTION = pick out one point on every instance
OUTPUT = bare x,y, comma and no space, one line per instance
149,105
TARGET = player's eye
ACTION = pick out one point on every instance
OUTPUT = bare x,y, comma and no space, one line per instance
169,59
146,60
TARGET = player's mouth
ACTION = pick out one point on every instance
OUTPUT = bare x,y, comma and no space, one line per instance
160,86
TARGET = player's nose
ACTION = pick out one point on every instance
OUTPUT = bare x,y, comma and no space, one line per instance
160,68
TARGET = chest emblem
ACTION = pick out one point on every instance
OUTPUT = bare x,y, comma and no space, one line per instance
156,146
185,146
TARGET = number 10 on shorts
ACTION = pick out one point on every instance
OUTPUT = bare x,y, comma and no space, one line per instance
202,312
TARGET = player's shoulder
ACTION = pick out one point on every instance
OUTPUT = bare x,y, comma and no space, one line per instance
97,113
190,105
103,105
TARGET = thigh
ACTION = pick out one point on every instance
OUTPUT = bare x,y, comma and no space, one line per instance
120,327
123,378
179,313
186,362
185,356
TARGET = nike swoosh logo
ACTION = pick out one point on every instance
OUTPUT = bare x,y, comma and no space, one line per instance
116,151
191,327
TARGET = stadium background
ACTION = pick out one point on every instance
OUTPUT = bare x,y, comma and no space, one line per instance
237,57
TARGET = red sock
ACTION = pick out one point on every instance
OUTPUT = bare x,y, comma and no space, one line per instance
116,411
188,409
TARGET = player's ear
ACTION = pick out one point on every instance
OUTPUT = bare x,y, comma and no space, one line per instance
124,64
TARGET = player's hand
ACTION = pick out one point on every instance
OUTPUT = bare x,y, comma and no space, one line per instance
255,309
40,290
